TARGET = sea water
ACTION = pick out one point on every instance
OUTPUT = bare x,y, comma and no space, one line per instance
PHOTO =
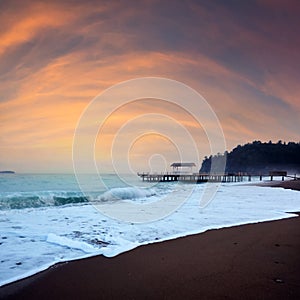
47,218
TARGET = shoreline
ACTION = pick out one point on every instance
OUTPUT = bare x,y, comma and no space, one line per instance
288,184
256,261
133,269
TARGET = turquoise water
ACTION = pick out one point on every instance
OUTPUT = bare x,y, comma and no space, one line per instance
48,218
20,191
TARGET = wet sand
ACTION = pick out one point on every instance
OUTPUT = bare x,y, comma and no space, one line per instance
289,184
256,261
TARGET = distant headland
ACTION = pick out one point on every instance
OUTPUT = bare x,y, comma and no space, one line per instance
7,172
258,158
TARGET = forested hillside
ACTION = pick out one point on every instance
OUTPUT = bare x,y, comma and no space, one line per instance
258,157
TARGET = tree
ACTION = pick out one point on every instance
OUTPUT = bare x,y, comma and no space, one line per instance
257,157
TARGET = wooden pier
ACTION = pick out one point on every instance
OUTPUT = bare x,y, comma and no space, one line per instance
199,178
178,174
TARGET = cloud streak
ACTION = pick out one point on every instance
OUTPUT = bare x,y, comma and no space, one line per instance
56,57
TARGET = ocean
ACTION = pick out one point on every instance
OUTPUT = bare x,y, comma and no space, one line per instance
48,218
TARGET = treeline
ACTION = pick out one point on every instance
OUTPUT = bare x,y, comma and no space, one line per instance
256,157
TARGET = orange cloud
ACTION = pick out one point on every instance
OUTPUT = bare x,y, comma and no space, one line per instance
29,24
42,104
50,101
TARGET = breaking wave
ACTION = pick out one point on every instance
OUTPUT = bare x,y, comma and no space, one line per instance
22,200
126,193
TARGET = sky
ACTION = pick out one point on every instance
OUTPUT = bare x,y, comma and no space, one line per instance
243,57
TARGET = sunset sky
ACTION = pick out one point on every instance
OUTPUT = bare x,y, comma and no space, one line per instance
243,57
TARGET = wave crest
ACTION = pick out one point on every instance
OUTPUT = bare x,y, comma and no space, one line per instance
126,193
24,200
40,199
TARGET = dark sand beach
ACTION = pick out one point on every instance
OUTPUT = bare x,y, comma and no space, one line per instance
289,184
256,261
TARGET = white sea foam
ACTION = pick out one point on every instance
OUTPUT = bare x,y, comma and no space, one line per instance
126,193
33,239
66,242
